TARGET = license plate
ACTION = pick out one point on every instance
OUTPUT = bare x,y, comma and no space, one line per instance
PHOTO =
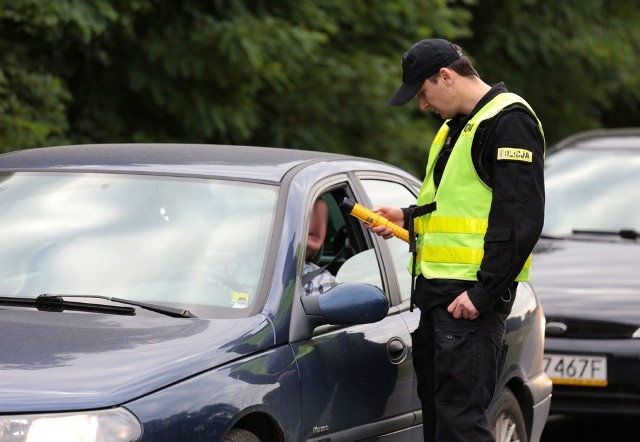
576,369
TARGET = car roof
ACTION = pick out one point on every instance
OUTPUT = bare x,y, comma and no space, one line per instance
251,162
618,138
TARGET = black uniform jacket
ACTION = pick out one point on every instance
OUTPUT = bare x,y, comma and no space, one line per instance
517,208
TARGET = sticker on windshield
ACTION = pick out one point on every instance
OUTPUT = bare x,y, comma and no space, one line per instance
515,154
239,299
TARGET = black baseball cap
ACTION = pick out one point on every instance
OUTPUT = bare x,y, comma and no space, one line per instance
420,62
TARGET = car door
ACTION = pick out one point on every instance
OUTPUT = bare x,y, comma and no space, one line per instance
397,192
357,381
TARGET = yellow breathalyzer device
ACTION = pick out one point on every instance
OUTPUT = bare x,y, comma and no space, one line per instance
372,218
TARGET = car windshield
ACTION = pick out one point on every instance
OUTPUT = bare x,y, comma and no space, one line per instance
592,190
182,242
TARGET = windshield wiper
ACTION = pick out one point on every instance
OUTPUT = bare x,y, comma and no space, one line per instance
50,303
58,303
169,311
624,233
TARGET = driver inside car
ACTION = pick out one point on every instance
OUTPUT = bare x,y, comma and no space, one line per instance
322,280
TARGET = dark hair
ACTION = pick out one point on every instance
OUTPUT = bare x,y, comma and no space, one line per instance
462,66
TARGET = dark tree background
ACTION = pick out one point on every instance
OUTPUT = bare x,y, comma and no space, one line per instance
310,75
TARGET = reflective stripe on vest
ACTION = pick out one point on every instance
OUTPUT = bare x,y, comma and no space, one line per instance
451,239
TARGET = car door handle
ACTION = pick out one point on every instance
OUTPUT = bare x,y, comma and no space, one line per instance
397,350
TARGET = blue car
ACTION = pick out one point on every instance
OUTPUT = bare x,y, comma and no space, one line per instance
153,293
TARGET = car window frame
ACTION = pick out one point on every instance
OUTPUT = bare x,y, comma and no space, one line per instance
361,239
397,303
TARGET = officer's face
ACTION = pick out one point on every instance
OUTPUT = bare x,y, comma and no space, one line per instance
435,96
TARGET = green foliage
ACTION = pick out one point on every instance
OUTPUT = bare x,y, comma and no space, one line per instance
312,75
575,61
39,45
32,108
278,73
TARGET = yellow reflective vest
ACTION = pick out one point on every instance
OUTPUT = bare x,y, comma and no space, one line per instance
450,242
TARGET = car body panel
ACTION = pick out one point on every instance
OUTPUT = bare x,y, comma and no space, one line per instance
164,159
193,410
369,390
113,358
585,284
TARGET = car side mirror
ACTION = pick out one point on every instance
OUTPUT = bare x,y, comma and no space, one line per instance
347,304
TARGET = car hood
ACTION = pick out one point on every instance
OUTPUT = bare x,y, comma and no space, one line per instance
588,279
68,361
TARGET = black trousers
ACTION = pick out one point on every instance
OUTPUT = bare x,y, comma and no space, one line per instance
457,362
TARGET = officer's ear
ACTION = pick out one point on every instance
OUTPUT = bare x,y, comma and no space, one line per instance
446,75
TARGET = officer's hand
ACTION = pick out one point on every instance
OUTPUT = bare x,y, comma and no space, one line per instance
393,214
462,307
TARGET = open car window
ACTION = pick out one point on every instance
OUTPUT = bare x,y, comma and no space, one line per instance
361,264
346,254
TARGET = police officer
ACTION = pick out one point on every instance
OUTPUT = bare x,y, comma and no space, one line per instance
478,216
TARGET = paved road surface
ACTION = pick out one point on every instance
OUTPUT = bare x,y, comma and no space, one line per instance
591,429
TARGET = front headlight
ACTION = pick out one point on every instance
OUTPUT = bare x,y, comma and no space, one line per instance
117,425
